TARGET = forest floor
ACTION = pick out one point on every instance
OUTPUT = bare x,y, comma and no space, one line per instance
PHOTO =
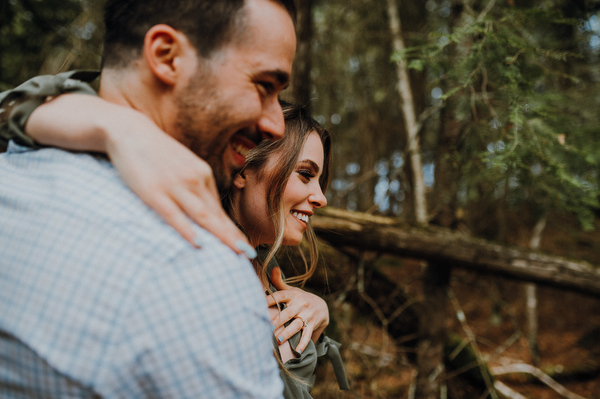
568,342
495,312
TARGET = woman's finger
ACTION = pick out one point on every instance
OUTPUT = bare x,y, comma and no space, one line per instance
284,316
305,339
175,183
278,297
283,334
204,209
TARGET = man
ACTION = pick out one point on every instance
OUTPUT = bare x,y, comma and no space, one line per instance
98,297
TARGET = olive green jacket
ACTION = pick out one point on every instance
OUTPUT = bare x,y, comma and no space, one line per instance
16,105
300,376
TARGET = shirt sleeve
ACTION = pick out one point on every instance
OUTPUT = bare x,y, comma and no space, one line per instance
16,105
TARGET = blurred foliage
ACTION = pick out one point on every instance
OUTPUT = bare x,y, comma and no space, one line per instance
353,93
521,86
516,81
47,37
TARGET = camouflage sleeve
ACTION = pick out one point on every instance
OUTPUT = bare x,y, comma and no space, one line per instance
16,105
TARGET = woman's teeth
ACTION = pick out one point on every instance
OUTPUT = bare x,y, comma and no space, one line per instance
300,216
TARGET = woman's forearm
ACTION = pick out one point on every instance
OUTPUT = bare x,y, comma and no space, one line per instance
80,122
166,175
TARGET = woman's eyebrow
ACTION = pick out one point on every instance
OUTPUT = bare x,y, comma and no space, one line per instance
312,164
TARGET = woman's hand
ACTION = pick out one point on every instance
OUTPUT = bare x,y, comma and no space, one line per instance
175,182
301,307
166,175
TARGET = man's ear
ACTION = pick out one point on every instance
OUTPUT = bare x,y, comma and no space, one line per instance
164,47
239,181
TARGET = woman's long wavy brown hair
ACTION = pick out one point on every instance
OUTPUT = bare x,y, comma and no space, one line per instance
298,126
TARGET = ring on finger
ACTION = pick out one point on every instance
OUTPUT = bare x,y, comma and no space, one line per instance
304,322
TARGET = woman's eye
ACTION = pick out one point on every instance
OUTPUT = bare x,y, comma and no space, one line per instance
307,174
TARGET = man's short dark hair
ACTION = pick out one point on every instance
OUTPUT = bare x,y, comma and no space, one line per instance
208,24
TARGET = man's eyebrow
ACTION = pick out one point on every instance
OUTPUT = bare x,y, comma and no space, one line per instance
282,77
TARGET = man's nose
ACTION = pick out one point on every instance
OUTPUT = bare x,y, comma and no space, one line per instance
271,123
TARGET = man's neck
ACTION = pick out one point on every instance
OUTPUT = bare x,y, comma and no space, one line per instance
136,88
119,87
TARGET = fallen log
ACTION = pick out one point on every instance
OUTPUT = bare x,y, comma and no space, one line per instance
366,232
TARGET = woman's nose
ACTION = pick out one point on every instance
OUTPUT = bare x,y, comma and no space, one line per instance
318,199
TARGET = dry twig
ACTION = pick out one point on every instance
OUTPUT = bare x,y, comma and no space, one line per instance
471,337
539,374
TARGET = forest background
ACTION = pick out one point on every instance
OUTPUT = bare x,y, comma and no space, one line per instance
467,122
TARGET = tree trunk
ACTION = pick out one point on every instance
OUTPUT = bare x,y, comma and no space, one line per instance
531,294
431,372
375,233
430,351
409,114
303,62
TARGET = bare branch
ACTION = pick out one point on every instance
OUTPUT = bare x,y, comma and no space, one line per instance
507,392
481,363
539,374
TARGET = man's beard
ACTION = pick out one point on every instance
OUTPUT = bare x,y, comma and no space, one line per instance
213,155
200,98
223,180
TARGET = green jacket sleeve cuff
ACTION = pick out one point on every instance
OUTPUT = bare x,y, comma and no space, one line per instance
17,105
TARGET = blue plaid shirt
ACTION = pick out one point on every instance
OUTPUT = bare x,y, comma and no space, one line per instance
100,298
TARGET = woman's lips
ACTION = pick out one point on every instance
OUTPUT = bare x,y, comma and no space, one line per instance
300,217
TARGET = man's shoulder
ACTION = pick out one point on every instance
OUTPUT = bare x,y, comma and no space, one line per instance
60,175
88,212
85,197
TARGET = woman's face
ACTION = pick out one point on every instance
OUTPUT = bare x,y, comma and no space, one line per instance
301,196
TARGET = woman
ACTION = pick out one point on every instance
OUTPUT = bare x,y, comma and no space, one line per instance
272,200
277,191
